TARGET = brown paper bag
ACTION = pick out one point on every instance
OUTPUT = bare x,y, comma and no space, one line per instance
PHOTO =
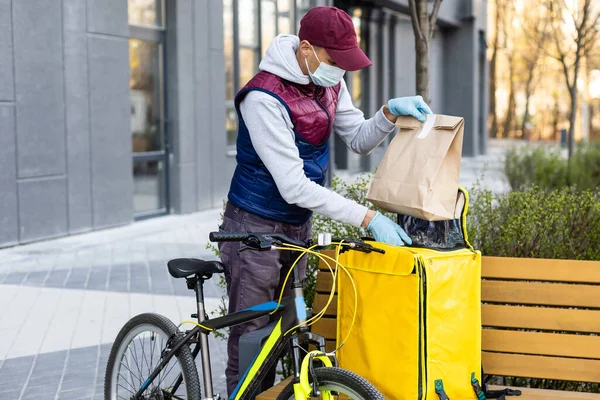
419,173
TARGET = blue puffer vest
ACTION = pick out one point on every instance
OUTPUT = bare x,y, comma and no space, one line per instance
312,111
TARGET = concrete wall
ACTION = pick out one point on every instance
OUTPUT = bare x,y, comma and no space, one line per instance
196,105
65,141
64,111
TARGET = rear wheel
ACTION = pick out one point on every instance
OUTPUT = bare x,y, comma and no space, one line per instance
137,351
340,382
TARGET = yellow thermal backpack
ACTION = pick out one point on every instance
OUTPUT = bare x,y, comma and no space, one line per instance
417,328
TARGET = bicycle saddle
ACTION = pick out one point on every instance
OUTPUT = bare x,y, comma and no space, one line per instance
184,267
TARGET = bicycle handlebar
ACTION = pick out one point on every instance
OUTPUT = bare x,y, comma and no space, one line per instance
264,241
228,236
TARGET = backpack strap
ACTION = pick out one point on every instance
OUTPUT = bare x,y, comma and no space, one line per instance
479,392
439,389
484,393
501,394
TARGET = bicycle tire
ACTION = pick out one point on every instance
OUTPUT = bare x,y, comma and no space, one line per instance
339,380
183,355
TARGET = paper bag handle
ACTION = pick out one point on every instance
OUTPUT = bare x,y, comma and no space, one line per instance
441,122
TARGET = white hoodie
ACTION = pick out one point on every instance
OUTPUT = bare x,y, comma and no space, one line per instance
272,135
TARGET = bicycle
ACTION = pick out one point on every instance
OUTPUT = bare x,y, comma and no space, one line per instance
315,374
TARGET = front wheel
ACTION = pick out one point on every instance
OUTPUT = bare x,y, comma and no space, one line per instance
340,381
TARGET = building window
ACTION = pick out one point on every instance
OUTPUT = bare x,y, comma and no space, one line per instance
146,12
250,26
148,135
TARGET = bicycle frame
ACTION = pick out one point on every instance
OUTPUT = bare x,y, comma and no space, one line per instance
291,313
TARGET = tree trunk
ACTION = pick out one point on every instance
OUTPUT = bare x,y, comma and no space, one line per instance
493,61
524,129
571,137
492,114
423,25
531,81
556,115
527,101
422,49
510,111
573,93
422,67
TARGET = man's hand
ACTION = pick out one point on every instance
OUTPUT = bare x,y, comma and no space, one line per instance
413,106
385,230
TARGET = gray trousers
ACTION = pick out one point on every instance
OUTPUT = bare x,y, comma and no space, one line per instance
254,277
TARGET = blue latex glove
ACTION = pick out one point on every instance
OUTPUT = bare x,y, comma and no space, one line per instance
387,231
413,106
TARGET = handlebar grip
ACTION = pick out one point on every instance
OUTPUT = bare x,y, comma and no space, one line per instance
228,236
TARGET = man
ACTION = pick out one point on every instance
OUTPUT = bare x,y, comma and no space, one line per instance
286,114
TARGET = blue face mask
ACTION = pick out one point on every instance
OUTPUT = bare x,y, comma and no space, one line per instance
325,75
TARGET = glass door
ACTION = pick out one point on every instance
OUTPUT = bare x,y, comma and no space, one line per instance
149,138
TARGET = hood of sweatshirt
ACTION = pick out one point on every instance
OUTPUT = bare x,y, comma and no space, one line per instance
280,59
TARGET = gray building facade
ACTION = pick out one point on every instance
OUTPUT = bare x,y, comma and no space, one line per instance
458,67
116,110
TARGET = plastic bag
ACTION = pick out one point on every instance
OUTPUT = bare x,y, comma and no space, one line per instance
439,235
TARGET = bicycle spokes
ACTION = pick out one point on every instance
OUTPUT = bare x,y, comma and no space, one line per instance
139,358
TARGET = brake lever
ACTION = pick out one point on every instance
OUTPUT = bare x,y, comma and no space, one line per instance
377,250
367,248
244,249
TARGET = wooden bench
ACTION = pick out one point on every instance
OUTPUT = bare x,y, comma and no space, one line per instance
541,319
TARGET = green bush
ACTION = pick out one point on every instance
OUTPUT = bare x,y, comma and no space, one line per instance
585,168
560,224
547,169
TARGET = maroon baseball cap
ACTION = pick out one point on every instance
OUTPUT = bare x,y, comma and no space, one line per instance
332,28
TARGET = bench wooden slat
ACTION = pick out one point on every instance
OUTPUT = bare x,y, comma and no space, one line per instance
544,394
555,294
324,282
330,345
326,327
551,344
526,366
552,319
540,269
322,265
321,300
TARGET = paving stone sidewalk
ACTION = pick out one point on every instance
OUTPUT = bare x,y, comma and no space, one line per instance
63,301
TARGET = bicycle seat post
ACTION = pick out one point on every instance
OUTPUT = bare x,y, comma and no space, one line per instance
203,337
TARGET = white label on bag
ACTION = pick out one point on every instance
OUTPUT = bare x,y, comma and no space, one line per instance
427,126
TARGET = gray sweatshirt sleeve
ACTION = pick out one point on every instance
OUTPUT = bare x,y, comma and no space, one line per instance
361,135
272,135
